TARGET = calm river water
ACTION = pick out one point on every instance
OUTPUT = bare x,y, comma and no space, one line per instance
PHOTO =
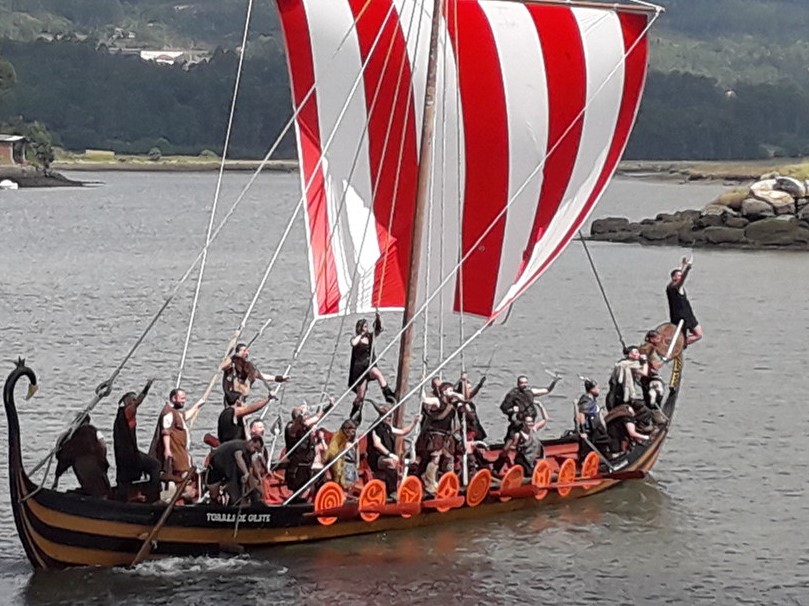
723,520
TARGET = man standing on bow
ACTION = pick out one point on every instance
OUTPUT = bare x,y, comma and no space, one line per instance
680,306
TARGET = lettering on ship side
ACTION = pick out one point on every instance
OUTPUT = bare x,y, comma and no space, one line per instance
230,518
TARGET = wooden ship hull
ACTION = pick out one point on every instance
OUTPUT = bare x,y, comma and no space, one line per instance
64,529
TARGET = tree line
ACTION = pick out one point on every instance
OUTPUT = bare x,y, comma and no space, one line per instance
91,98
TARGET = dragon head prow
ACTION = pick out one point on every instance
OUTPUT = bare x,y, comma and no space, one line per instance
20,366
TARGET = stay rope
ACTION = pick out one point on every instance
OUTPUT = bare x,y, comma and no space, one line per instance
601,288
225,148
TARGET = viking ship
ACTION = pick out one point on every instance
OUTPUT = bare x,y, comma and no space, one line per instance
449,151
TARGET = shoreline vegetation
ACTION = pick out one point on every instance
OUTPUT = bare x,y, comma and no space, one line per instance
731,171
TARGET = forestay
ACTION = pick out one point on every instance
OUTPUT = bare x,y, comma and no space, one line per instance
536,103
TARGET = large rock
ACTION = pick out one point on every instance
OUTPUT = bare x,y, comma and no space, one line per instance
716,209
688,236
732,199
777,231
709,220
737,222
688,215
779,200
794,187
660,233
754,209
610,225
724,235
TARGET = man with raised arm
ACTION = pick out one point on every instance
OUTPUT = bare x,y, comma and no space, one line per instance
519,403
239,373
130,462
230,425
680,306
381,449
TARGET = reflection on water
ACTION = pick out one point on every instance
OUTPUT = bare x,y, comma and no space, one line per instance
82,270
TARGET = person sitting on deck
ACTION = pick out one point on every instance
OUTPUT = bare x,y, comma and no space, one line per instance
85,452
525,444
344,470
260,460
589,417
230,466
362,367
172,438
239,373
435,446
130,462
382,457
300,445
519,403
230,425
621,430
680,306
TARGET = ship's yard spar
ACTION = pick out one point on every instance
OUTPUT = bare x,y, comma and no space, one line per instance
439,172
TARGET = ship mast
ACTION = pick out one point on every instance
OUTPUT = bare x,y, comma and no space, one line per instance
422,193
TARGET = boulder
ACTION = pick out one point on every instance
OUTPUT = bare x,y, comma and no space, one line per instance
715,209
660,233
724,235
775,198
795,188
732,199
709,221
610,225
691,237
764,185
777,231
754,209
737,222
803,214
627,237
688,215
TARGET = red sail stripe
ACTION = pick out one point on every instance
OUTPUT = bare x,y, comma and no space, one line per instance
632,26
302,74
387,80
567,95
485,126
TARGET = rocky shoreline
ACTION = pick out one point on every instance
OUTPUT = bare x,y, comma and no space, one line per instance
29,176
771,214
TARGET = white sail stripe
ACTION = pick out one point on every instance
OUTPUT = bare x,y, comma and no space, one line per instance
603,50
336,69
446,160
416,20
525,85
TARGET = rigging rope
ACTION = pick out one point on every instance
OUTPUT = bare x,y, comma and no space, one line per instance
601,288
218,190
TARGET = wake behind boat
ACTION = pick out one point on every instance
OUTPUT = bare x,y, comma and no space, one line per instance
439,175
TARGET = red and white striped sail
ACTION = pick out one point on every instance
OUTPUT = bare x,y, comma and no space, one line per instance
535,103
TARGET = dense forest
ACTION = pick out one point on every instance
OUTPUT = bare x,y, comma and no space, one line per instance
728,78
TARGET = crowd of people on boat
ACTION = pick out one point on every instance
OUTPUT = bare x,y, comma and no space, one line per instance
445,435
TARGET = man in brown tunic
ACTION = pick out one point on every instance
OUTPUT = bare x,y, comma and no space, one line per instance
171,442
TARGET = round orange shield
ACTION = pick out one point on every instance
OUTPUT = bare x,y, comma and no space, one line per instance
448,487
330,495
410,491
589,469
512,479
373,494
567,474
478,487
541,478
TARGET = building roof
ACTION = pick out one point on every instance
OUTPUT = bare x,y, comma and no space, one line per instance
11,138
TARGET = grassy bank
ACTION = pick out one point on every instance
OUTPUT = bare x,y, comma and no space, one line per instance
106,161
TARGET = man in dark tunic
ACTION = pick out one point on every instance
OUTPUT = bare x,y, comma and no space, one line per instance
130,462
519,403
86,453
680,306
300,459
621,430
230,465
230,425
